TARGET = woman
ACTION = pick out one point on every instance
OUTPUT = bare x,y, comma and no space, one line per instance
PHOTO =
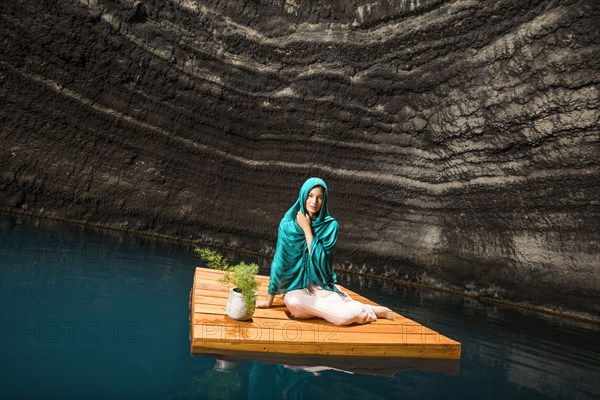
301,268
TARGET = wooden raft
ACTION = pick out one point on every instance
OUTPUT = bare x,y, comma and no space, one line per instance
273,332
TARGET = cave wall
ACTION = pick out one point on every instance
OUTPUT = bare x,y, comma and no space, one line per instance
459,138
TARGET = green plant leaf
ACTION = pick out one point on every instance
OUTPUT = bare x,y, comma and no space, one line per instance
213,259
241,276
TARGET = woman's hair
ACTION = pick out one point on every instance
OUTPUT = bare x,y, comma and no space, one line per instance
317,186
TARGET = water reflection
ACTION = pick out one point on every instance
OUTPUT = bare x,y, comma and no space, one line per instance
59,275
374,366
535,354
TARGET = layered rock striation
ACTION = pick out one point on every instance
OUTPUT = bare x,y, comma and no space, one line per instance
459,138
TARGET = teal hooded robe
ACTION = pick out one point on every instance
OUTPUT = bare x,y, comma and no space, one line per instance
294,267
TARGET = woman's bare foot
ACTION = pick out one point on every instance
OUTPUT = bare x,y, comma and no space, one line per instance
383,312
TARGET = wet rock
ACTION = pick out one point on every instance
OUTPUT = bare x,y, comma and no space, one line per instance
459,139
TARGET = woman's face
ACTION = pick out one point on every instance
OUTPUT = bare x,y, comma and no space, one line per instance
314,201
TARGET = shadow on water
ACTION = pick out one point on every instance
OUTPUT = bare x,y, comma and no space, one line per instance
97,314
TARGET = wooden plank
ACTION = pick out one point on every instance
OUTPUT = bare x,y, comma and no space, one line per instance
206,302
211,288
272,330
418,350
208,298
292,331
280,312
314,324
219,297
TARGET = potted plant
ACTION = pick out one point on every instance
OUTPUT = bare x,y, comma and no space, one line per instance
242,279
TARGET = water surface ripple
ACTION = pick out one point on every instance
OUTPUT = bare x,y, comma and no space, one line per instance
88,314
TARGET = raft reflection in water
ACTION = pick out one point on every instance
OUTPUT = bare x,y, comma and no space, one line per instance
380,366
227,378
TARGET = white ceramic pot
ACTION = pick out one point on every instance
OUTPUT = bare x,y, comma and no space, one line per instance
236,308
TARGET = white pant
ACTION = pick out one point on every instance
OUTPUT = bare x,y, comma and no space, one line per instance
317,302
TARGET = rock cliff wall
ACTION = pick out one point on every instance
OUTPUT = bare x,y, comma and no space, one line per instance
459,138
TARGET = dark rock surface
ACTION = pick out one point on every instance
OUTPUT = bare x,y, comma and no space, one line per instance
459,138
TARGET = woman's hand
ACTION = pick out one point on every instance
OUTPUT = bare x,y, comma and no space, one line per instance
303,220
263,304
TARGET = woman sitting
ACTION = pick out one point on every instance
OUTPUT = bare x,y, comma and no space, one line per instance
301,268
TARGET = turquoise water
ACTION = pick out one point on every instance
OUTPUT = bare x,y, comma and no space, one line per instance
91,314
